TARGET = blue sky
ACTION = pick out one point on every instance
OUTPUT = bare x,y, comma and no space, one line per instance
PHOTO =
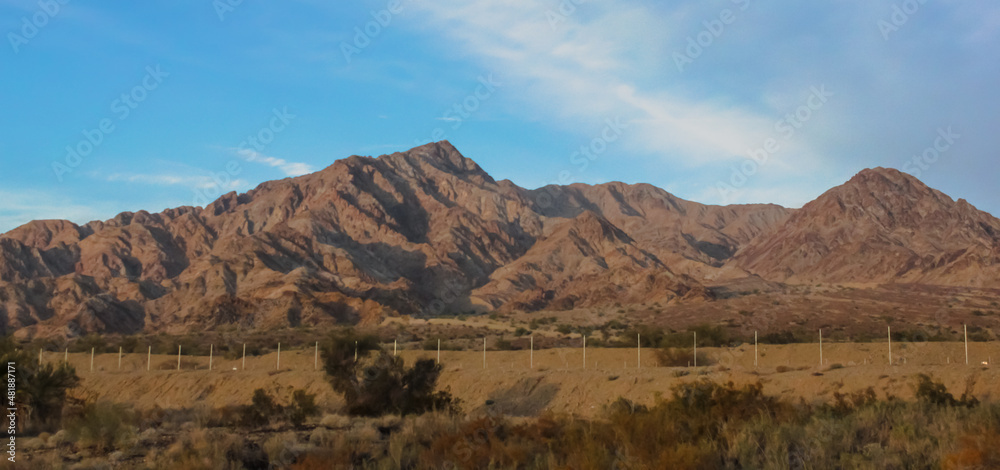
725,101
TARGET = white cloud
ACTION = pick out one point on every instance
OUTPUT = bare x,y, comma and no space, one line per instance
604,62
289,168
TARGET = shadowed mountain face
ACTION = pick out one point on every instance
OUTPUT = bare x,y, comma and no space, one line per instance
428,231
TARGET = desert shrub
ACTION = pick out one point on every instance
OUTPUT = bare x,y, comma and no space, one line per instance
711,335
680,357
846,403
521,331
92,341
131,344
379,383
41,388
303,406
779,337
260,411
103,425
979,334
200,448
281,449
935,393
625,406
504,345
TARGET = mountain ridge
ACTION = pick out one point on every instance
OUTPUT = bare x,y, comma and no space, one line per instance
428,230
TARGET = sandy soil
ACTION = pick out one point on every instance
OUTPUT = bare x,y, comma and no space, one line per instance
556,380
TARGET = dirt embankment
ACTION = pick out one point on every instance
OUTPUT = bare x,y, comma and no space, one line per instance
554,379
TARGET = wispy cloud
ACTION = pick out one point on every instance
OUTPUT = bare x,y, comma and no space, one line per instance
191,181
289,168
589,66
21,207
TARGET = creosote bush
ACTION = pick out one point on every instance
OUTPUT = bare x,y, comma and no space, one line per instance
377,383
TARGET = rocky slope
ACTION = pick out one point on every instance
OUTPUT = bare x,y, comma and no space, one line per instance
409,233
882,226
427,232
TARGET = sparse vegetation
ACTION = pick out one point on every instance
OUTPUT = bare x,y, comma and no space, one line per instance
103,425
41,388
378,383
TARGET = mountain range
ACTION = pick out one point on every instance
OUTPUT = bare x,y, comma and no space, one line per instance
427,232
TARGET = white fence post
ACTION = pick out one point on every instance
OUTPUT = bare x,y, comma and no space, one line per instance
755,349
821,347
888,330
696,349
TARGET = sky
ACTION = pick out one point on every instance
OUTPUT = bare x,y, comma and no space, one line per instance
113,106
